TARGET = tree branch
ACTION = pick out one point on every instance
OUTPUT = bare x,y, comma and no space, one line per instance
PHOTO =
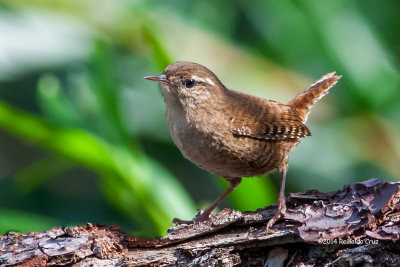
358,224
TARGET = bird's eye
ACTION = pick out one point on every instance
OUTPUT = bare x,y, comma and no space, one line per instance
190,83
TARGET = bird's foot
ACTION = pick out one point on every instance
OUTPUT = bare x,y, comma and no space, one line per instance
177,221
279,213
201,216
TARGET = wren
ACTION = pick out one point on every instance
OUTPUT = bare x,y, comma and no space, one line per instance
233,134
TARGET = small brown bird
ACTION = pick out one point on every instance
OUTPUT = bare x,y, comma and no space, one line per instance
233,134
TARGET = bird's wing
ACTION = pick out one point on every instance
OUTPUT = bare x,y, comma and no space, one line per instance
268,120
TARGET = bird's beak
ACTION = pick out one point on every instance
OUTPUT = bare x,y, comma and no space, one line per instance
157,78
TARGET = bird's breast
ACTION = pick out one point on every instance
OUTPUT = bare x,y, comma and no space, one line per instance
211,145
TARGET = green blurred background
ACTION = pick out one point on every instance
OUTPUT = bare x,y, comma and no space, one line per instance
83,136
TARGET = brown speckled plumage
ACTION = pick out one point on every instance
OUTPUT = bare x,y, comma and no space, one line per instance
229,133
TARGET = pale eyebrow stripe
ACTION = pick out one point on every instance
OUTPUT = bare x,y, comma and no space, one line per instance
206,80
210,81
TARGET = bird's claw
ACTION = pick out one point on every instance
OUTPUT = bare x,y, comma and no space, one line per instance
279,213
177,222
200,217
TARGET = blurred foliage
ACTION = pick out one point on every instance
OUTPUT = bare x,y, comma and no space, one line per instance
83,136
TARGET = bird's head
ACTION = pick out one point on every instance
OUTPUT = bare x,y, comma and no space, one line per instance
187,83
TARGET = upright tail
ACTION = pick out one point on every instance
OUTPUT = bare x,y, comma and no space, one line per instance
304,101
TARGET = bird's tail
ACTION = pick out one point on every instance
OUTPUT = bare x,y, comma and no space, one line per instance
304,101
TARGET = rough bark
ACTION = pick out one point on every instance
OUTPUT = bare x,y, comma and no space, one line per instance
358,225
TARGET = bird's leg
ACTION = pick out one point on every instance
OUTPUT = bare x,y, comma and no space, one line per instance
204,215
281,202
